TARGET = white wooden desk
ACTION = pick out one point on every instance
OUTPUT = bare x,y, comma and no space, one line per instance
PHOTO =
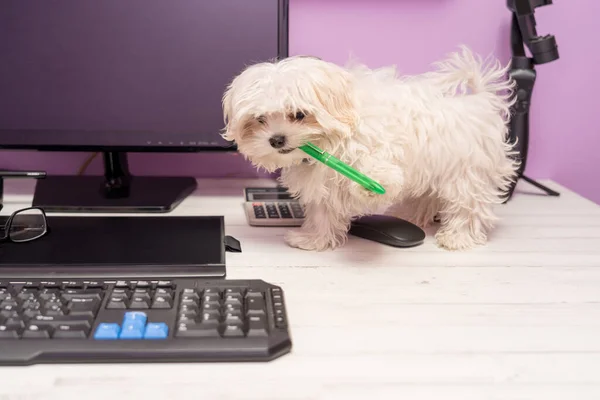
518,319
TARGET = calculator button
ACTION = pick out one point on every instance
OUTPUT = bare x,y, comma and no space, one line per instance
259,211
297,210
284,210
272,210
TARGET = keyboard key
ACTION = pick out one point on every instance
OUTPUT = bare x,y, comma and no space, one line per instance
9,300
120,292
212,290
50,294
190,299
134,324
117,303
5,293
197,331
7,332
70,332
31,313
84,322
71,294
107,331
169,292
211,314
139,302
84,306
210,319
162,302
28,293
231,308
233,331
257,326
234,318
165,284
190,309
186,319
255,305
210,307
74,285
142,291
36,332
155,330
96,285
136,317
132,330
55,309
31,304
51,285
234,299
254,293
8,306
13,323
211,298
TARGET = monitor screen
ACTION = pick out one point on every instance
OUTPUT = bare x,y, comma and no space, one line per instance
100,74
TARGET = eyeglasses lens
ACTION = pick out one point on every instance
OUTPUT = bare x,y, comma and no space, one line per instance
27,225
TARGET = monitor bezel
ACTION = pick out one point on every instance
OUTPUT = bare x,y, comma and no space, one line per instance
282,52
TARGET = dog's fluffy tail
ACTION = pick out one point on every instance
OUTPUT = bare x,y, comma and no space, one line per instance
463,72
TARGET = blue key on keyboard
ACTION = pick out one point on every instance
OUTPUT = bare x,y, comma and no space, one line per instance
107,331
135,317
132,330
156,330
134,323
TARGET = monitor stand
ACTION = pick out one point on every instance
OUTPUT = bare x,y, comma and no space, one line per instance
115,192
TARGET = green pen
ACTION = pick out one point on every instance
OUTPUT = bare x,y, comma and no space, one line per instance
342,168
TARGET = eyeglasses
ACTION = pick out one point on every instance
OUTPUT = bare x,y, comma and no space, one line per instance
24,226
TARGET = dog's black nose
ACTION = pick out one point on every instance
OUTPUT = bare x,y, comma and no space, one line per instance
277,141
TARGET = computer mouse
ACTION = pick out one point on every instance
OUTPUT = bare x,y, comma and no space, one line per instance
388,230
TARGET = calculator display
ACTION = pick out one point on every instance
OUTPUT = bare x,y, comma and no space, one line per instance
267,194
270,196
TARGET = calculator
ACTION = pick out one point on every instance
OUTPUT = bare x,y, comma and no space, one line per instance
272,206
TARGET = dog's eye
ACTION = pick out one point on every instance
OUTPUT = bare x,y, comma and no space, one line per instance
299,116
261,120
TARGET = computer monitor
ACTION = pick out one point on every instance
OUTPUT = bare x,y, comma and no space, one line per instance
119,76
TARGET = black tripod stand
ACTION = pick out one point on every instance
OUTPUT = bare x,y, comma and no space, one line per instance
543,50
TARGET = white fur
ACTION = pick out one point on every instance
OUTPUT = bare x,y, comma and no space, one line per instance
435,141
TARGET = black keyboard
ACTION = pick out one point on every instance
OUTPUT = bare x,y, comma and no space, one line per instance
178,320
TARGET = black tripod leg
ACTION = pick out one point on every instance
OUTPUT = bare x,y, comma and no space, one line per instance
546,189
523,72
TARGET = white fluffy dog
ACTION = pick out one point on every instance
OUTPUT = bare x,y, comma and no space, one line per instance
436,141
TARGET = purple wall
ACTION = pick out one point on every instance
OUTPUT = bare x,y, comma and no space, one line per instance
412,34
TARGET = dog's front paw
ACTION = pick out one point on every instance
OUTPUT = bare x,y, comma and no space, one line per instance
357,190
458,240
309,241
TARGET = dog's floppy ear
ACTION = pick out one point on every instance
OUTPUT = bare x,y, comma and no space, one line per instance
334,91
227,132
